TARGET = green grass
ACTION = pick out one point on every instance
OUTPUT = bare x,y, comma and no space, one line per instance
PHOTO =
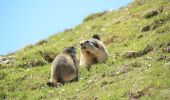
142,77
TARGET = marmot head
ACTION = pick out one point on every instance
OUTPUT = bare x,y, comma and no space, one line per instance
90,45
70,50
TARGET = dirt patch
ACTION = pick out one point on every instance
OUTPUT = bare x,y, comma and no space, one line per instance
130,54
163,57
165,47
164,44
162,30
123,69
133,54
147,49
152,12
145,28
155,24
127,67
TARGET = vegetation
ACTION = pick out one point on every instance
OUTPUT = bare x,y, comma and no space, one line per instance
138,40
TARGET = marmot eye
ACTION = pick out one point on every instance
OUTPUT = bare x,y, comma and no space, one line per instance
72,48
95,44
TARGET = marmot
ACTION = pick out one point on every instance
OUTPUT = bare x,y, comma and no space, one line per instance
92,51
64,67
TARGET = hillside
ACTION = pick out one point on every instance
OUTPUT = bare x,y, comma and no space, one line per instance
138,40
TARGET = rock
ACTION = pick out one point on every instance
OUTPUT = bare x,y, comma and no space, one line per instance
6,60
133,54
3,58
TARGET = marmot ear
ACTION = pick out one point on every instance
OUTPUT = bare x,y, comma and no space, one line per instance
73,48
96,36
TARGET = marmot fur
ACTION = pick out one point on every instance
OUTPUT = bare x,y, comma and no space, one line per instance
64,67
92,51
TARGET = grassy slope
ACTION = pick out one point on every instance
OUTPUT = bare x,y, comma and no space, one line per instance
141,77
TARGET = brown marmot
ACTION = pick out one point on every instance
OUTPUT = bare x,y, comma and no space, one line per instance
64,67
92,51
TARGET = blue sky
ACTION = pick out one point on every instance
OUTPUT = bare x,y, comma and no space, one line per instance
25,22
